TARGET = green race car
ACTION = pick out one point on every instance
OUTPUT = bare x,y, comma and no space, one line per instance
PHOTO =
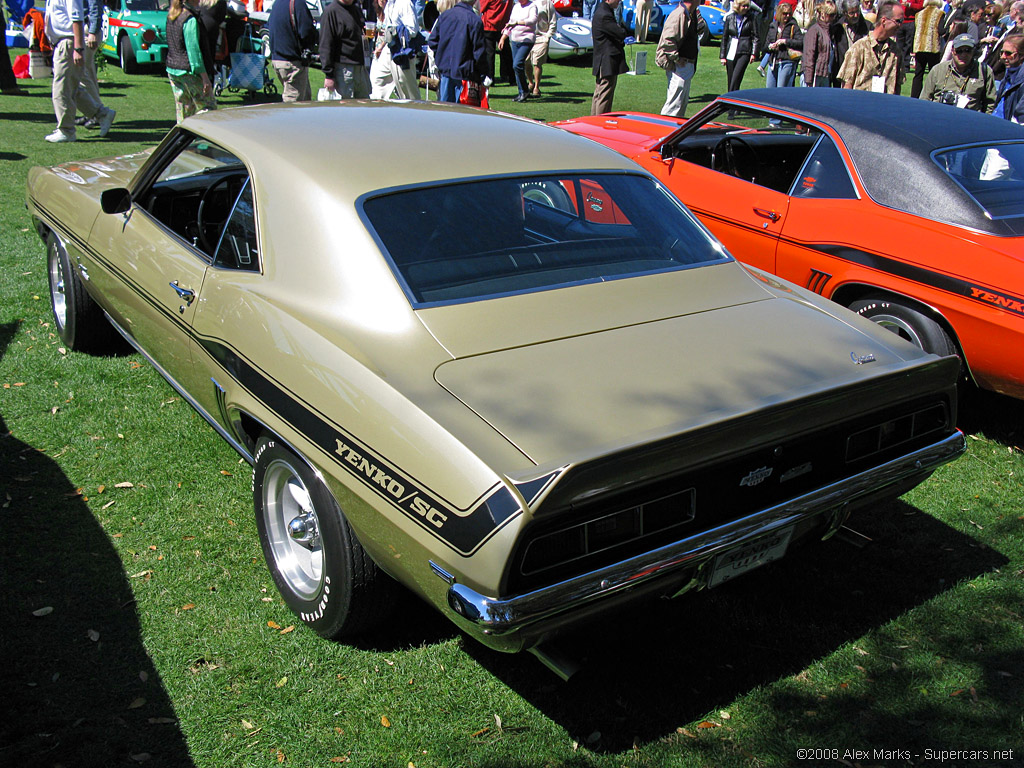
134,32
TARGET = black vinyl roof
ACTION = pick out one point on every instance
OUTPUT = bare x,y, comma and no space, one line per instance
891,139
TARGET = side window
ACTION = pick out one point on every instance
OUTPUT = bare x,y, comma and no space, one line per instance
764,149
825,174
238,248
195,192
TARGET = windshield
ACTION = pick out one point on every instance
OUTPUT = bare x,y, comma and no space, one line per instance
146,5
992,174
495,237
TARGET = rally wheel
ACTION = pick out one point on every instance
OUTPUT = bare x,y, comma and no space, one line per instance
319,567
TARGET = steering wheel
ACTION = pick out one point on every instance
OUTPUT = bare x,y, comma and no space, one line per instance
725,150
223,181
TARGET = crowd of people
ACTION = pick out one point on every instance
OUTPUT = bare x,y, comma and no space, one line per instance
965,53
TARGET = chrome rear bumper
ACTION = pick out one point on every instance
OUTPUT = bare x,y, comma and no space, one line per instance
516,622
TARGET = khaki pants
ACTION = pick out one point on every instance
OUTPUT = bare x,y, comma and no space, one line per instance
294,80
604,91
67,98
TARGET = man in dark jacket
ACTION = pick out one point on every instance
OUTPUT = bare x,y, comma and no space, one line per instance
341,49
291,33
609,55
457,41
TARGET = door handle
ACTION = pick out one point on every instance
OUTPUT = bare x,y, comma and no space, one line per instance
768,214
185,294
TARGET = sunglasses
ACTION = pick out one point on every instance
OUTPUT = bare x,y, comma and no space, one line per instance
963,50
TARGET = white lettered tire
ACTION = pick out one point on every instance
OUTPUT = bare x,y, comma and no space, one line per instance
318,565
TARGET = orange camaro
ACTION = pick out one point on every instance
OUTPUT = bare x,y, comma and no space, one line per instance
908,212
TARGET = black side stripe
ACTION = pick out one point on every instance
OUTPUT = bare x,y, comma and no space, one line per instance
981,294
463,530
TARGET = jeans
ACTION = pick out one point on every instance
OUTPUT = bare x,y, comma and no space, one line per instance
449,89
519,53
589,6
782,74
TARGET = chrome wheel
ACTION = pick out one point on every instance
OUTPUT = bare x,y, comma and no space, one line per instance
900,327
293,529
58,298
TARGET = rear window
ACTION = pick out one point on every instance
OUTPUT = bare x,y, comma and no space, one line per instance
992,174
494,237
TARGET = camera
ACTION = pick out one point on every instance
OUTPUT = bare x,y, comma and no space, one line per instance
946,97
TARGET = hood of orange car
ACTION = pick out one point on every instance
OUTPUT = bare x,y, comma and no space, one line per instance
628,133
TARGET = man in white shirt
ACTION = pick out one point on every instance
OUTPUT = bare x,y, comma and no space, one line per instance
65,30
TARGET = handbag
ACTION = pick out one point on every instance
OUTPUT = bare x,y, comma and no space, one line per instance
474,94
247,67
246,71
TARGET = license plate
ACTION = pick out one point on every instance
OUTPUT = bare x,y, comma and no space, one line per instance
737,562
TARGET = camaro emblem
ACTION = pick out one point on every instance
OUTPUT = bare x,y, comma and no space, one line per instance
861,359
757,476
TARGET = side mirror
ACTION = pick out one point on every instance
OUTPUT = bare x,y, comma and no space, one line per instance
117,200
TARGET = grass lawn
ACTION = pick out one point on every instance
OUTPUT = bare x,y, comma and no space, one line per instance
144,629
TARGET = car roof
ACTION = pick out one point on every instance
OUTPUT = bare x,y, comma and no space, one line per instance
350,148
891,139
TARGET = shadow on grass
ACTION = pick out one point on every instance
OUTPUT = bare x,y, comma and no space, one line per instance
658,666
79,687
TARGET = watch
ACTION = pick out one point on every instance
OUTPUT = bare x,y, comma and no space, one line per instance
79,50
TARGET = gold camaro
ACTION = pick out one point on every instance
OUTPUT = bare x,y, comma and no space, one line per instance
481,357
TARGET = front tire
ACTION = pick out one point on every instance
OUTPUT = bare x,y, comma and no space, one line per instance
79,320
126,55
908,324
319,567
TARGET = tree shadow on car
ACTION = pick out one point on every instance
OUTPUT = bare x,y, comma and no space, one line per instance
80,688
657,666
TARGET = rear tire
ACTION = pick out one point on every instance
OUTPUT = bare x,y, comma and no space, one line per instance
80,322
126,55
908,324
319,567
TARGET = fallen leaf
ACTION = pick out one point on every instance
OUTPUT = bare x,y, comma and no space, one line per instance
339,759
225,472
125,484
136,703
93,635
188,606
708,724
43,611
143,675
141,757
957,692
286,630
497,722
152,547
481,732
273,624
54,409
687,732
724,715
384,721
280,683
247,725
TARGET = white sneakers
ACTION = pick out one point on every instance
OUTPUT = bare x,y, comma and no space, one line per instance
103,120
59,137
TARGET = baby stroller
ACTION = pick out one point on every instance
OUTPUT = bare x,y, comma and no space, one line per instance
249,69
